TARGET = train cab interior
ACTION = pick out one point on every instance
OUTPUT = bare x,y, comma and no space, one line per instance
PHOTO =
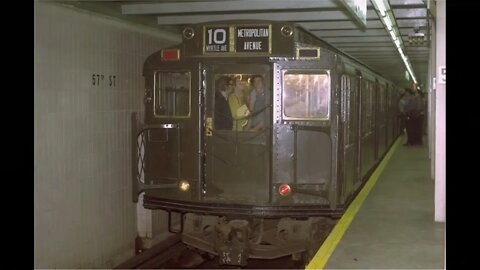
238,136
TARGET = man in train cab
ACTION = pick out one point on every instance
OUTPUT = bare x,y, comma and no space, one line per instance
223,116
257,103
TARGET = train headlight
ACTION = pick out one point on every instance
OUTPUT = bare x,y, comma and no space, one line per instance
284,189
184,185
188,33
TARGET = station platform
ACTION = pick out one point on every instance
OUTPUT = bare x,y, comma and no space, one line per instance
390,225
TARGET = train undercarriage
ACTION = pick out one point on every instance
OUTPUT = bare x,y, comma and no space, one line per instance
235,240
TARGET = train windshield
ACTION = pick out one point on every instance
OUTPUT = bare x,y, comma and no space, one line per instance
237,148
172,94
306,96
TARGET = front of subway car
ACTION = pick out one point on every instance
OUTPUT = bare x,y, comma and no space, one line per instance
236,138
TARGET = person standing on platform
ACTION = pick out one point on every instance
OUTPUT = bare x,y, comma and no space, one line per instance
408,106
417,117
403,107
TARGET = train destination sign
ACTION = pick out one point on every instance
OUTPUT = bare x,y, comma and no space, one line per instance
216,39
224,39
252,39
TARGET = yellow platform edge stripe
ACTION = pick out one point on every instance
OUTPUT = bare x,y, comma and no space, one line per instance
326,249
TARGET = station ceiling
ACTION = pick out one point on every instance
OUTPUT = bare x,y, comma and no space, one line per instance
327,19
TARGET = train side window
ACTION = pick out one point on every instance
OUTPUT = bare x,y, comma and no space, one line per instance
172,94
306,96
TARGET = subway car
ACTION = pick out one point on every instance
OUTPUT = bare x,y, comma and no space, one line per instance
259,134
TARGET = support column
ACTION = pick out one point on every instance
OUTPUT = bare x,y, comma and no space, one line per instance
432,67
440,136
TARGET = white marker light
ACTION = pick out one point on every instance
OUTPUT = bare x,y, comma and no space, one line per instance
184,185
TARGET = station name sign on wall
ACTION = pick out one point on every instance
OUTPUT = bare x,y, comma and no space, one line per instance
237,39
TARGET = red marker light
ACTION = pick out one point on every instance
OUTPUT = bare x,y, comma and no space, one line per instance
284,190
171,55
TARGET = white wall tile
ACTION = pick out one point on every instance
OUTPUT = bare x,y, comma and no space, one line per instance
84,216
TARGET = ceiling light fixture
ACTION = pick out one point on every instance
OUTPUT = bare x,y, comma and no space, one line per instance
384,11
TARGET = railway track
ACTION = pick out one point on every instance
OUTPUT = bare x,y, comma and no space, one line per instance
157,255
173,254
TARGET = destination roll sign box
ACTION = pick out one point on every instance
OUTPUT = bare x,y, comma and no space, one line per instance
252,39
216,39
245,39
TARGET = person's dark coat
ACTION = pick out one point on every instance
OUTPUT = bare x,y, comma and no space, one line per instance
223,116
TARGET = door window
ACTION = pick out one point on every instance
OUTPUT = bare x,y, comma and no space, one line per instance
306,96
240,102
172,94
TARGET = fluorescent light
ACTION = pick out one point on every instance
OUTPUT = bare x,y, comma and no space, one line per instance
385,17
397,43
392,34
409,69
380,6
382,13
388,23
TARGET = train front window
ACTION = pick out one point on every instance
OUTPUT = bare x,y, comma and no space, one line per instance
240,102
172,94
306,96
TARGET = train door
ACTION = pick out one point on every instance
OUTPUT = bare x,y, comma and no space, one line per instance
238,133
167,145
350,134
304,128
367,127
360,111
388,122
381,128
